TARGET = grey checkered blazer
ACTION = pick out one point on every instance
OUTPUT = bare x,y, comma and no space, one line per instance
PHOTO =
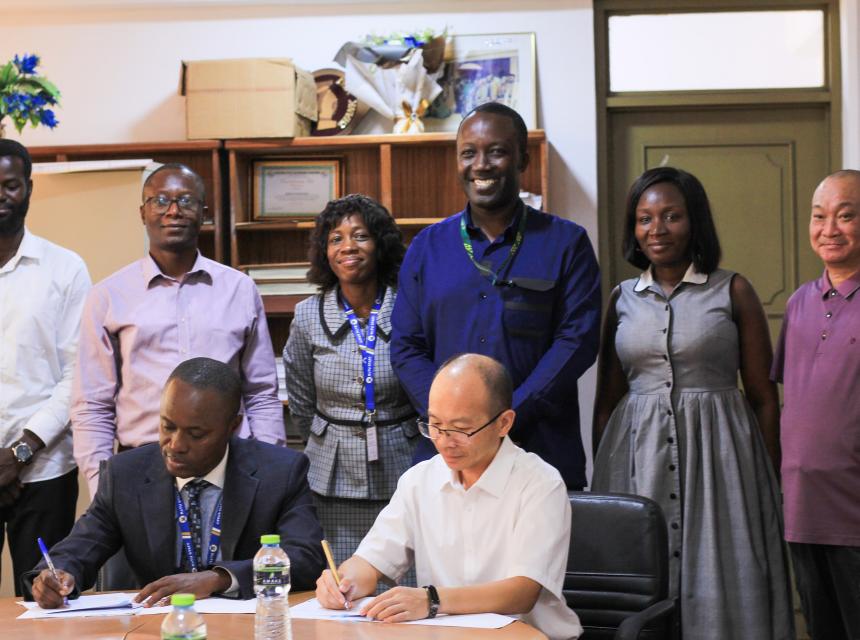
324,376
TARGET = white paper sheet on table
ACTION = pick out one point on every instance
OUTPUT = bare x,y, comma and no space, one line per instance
312,610
119,604
102,604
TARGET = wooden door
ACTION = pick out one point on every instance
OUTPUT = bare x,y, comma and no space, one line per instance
759,167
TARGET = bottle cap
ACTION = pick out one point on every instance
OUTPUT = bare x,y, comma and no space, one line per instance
272,538
182,599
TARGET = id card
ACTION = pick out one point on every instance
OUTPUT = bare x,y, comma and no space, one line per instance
372,443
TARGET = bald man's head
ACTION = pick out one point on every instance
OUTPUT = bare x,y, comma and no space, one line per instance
496,380
849,176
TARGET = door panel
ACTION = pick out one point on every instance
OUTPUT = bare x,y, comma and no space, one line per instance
759,168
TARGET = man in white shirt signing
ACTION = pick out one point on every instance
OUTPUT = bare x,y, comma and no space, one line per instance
42,291
486,524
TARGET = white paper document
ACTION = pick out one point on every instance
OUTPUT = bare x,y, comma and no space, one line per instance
102,604
312,610
120,604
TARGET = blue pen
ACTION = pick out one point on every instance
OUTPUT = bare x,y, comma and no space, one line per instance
50,564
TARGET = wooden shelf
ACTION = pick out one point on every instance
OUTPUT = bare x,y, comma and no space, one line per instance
270,145
416,222
285,225
282,305
414,177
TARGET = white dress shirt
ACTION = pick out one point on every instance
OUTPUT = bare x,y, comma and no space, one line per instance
514,521
42,293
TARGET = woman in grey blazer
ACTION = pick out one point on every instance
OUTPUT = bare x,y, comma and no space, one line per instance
356,455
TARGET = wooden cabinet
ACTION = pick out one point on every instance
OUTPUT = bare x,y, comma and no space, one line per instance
415,177
201,156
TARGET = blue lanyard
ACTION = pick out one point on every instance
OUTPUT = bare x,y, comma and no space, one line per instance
185,528
367,346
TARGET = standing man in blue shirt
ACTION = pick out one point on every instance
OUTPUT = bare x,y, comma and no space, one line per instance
507,281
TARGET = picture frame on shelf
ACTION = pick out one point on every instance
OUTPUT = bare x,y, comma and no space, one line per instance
294,189
281,279
490,67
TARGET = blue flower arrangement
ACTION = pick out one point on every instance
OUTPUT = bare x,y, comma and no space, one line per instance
25,96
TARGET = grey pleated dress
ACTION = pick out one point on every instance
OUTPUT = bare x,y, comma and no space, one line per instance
686,437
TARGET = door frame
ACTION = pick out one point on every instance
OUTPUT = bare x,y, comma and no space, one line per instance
829,94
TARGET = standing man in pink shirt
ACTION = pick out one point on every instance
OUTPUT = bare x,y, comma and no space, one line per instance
818,362
141,322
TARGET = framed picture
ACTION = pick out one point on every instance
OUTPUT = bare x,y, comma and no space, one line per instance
294,188
492,67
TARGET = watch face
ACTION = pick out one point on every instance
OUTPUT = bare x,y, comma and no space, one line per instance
22,452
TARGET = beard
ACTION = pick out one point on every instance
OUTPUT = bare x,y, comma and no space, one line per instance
12,223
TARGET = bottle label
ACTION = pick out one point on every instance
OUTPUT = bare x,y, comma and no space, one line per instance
193,635
271,576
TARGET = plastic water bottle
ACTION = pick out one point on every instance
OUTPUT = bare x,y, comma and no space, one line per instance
272,587
183,623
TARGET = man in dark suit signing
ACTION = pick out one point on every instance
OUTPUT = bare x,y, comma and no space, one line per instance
148,497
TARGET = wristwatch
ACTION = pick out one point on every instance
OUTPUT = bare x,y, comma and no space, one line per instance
22,452
432,599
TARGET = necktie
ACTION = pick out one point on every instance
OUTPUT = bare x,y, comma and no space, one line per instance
195,521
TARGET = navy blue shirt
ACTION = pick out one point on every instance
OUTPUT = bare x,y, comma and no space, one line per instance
546,339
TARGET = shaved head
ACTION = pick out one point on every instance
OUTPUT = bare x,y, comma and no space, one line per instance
497,381
842,174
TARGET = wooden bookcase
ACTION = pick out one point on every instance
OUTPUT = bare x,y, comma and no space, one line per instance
202,156
415,177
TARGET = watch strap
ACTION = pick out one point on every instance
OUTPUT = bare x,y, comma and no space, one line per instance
433,600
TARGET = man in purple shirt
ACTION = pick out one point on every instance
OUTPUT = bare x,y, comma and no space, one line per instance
141,322
818,362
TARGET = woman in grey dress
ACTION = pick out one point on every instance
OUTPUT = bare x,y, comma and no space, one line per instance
356,457
672,425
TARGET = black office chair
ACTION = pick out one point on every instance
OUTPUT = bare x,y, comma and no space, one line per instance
617,575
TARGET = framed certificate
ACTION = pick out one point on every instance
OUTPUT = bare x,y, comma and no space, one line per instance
294,188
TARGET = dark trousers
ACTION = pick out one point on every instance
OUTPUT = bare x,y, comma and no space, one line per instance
44,509
828,580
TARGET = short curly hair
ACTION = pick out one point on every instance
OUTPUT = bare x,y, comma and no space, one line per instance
381,225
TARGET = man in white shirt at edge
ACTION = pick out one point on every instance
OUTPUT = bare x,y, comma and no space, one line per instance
42,292
486,524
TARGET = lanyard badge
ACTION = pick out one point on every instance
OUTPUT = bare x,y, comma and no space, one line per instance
494,276
185,531
367,347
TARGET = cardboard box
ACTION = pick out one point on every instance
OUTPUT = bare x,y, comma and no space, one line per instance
247,98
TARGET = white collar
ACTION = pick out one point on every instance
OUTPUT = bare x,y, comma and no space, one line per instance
691,276
216,476
494,478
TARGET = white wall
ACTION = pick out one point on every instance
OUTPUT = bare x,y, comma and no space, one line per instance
119,71
850,35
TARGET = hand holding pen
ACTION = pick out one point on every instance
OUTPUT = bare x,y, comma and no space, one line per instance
52,585
333,591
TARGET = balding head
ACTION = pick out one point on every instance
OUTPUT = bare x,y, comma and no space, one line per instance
495,379
471,394
851,176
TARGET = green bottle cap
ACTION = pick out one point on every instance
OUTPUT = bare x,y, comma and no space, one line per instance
271,538
182,599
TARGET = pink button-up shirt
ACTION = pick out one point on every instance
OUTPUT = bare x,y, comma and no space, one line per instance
138,325
818,361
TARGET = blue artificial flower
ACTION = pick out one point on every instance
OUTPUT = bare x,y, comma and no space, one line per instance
38,101
27,64
47,118
410,41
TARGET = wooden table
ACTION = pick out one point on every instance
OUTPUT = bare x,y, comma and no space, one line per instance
237,627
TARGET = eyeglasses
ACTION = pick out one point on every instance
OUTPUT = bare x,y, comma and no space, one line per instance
161,203
456,436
